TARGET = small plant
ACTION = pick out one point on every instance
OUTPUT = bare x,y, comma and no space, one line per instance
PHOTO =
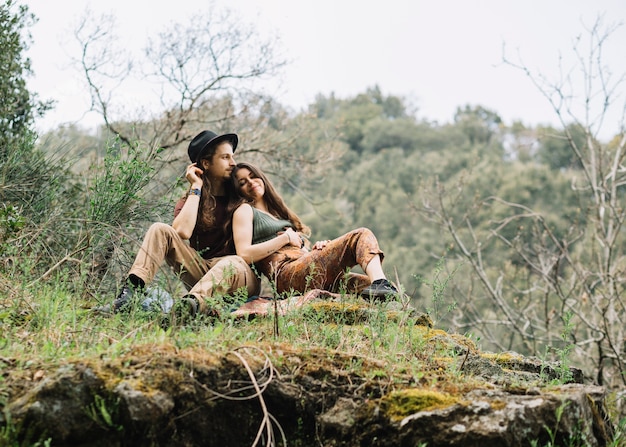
619,437
562,368
565,373
104,413
552,433
117,202
115,188
11,221
574,438
471,336
438,286
12,434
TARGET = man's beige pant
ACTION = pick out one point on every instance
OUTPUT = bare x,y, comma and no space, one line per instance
203,278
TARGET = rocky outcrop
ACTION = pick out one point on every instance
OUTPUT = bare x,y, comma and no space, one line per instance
272,394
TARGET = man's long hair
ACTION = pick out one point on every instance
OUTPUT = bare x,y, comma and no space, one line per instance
206,208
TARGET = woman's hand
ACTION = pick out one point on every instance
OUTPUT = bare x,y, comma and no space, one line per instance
320,244
294,237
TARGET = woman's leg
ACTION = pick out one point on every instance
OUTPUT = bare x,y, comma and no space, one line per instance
327,268
374,269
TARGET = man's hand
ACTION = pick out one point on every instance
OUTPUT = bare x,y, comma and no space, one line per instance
194,175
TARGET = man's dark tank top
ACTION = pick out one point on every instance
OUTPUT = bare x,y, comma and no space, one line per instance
210,243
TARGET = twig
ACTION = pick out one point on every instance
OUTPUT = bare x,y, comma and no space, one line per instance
464,360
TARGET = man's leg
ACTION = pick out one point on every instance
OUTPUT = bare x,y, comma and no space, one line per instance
225,276
160,243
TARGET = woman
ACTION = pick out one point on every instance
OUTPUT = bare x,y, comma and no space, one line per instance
267,234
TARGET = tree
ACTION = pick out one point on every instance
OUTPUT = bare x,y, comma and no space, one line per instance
22,168
32,231
18,105
555,146
370,121
563,296
204,72
478,123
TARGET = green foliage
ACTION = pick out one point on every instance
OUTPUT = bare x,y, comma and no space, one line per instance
32,186
117,183
52,221
12,435
370,121
619,438
555,150
563,369
11,221
31,180
18,106
477,123
118,211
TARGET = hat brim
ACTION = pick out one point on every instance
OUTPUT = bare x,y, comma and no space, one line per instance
230,137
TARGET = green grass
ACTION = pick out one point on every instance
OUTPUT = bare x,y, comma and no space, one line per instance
46,325
50,323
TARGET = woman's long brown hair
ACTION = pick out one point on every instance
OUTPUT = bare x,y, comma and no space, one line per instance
275,203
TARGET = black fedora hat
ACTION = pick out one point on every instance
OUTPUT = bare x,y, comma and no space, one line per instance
201,143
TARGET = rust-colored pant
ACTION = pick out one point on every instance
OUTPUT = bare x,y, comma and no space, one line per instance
293,269
202,277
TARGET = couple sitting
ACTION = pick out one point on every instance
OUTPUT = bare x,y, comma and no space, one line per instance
232,218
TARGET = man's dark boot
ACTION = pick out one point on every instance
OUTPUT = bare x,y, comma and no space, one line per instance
124,300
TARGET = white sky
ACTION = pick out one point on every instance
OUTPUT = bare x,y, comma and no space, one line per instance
441,53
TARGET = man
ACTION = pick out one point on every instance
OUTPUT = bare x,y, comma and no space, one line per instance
204,263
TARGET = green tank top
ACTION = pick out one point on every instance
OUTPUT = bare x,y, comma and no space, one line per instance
265,227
